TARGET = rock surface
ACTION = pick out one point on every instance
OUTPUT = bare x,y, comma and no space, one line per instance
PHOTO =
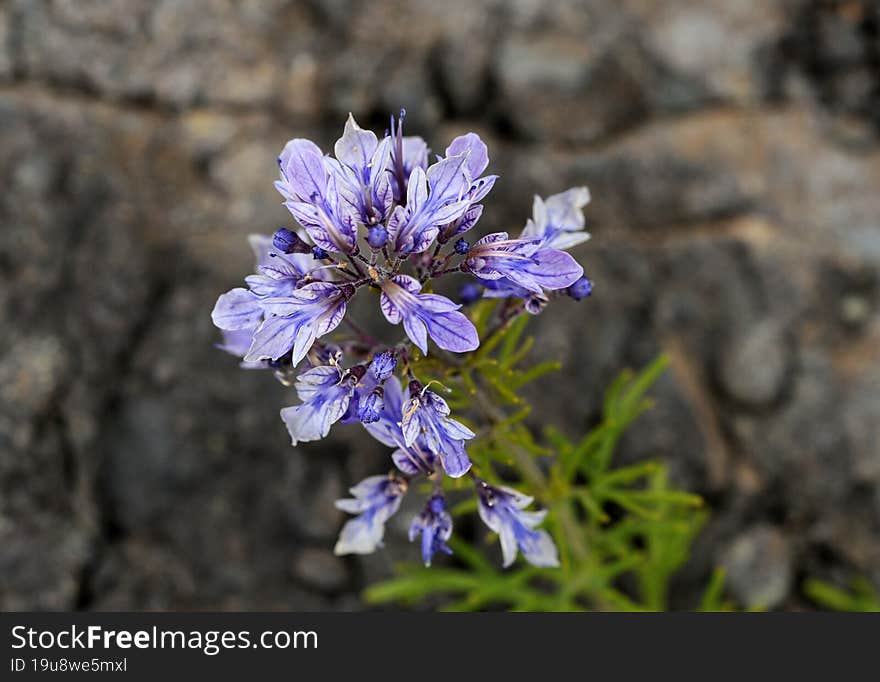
732,153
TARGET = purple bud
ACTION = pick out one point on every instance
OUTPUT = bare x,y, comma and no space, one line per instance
287,241
377,236
383,365
470,293
462,247
437,504
319,254
580,289
370,408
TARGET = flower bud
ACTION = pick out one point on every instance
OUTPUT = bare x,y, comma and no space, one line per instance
370,407
580,289
287,241
377,236
382,366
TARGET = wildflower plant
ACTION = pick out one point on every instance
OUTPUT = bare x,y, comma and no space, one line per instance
381,216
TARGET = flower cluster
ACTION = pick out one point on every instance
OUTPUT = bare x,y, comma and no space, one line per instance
378,216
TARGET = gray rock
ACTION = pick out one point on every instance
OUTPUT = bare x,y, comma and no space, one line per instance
319,569
758,567
756,364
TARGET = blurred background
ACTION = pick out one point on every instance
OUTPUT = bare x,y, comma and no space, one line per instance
731,147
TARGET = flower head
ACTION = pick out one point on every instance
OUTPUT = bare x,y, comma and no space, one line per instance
384,191
502,509
374,500
435,526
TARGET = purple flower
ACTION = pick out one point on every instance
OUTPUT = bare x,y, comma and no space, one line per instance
382,366
426,415
375,499
580,289
325,392
434,198
313,198
501,509
295,321
240,312
370,407
411,459
287,241
478,160
435,526
526,262
377,236
559,220
426,315
361,167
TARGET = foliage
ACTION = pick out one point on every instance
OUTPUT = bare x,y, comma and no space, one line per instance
861,595
622,531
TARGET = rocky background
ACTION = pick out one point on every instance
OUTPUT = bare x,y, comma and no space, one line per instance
732,150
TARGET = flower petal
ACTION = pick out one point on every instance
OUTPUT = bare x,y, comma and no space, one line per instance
237,309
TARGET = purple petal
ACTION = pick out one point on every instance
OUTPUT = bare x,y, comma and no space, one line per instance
404,462
415,330
447,213
565,210
436,303
237,309
469,219
302,165
491,238
554,269
454,459
356,146
480,188
479,154
416,191
453,331
275,337
539,550
448,179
